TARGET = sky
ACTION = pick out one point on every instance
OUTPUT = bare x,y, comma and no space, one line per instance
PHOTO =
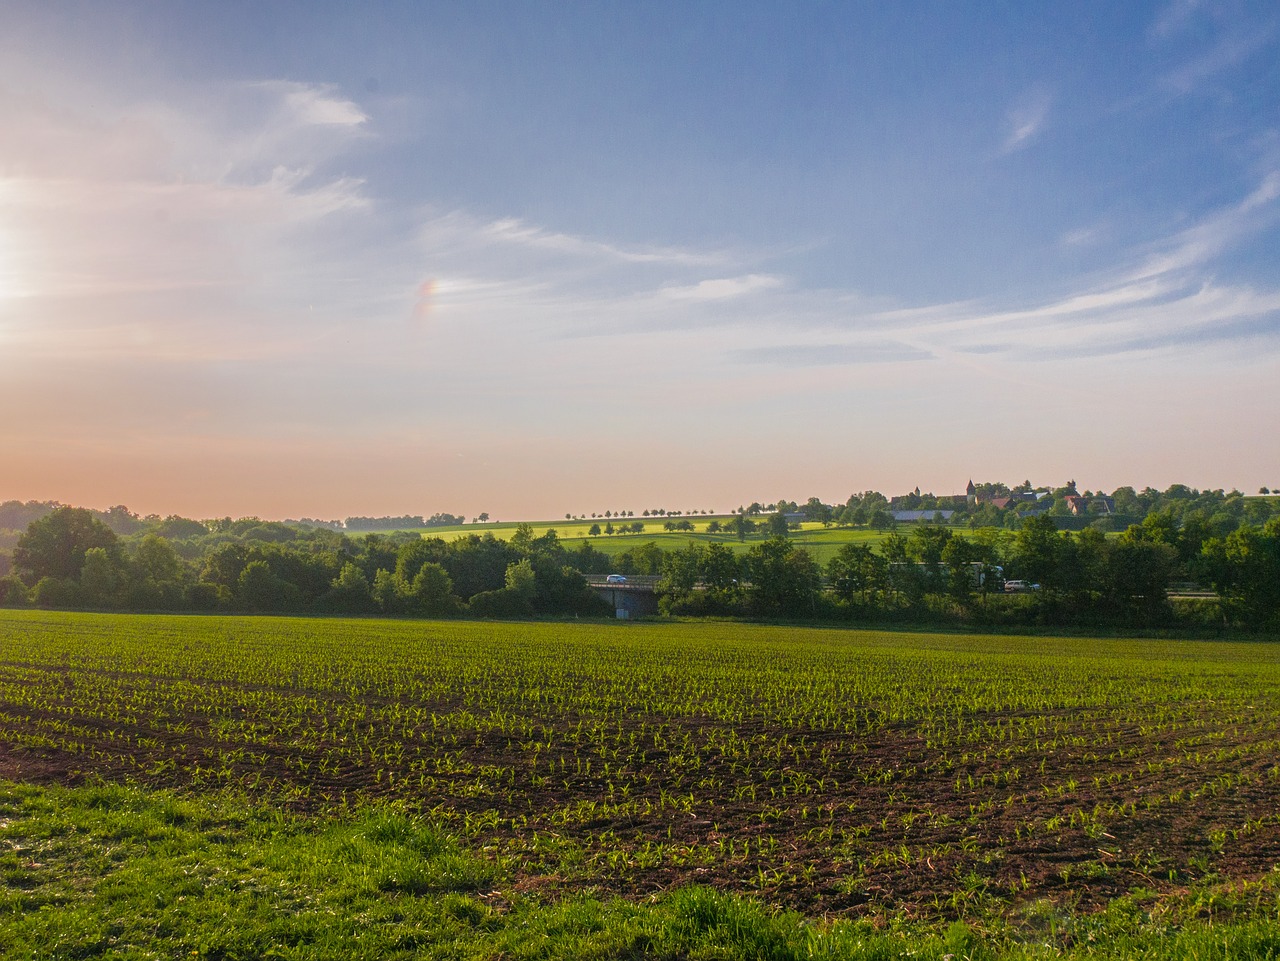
312,259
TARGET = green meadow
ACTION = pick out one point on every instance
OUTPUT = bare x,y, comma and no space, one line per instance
822,542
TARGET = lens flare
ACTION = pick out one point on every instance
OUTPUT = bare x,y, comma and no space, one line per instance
422,306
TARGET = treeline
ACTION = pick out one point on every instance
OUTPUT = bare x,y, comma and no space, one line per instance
998,505
70,558
405,522
16,516
935,575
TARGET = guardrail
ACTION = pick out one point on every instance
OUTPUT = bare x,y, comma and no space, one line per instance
635,582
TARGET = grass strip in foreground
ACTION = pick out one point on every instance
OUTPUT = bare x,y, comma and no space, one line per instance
122,872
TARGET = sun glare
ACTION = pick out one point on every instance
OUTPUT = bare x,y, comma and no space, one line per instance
7,266
9,282
10,267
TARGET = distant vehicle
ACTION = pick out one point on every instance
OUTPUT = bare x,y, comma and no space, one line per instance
615,579
1020,587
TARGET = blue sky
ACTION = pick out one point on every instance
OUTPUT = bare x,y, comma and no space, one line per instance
321,259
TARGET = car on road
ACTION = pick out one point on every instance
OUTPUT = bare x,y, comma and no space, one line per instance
615,579
1020,587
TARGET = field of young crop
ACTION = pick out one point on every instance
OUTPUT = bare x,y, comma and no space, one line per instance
836,772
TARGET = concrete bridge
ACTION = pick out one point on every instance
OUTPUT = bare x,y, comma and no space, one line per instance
634,597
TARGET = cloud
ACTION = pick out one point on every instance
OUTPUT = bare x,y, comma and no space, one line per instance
723,288
1174,17
1199,243
115,211
523,285
1082,236
1164,301
829,355
570,286
218,230
1228,52
317,104
515,231
1024,121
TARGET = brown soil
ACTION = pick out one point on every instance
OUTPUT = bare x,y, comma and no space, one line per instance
836,824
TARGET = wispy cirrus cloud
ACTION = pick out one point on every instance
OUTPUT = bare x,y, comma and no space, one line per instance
1082,236
1227,53
316,104
1160,297
239,205
515,231
1201,242
1174,17
1167,305
723,288
1025,120
1164,299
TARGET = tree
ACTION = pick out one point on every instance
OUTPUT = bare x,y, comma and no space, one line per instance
174,526
858,571
776,525
523,539
477,564
1126,501
158,574
1036,550
122,520
13,593
55,545
258,589
680,574
720,571
587,560
959,554
894,548
594,530
905,579
784,578
647,558
521,580
411,556
56,592
740,525
1244,568
350,593
926,546
560,589
99,579
431,592
815,510
223,566
1138,573
388,592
